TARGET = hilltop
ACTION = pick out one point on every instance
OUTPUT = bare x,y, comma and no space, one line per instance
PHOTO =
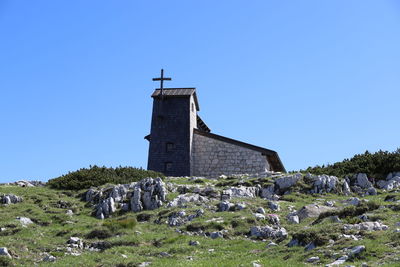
267,219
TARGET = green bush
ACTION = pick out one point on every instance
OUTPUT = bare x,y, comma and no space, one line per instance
115,225
376,165
96,176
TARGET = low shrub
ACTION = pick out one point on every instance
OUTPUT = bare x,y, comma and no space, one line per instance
349,212
376,165
99,234
115,225
97,176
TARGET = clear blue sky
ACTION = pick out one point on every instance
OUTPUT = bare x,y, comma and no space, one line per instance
317,81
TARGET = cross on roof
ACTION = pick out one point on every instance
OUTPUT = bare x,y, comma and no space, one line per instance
162,79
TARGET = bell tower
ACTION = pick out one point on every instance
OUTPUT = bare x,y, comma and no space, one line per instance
173,119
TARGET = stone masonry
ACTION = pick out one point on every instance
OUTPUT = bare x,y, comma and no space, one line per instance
211,157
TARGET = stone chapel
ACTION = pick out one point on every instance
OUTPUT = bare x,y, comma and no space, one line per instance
181,144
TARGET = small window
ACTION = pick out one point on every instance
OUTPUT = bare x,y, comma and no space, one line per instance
168,166
192,107
170,147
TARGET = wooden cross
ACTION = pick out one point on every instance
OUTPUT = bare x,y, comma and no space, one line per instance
161,79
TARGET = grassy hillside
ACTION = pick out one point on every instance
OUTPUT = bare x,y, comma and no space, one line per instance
130,243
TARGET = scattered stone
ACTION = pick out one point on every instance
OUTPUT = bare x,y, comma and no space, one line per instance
346,188
69,212
268,232
144,264
260,210
165,254
372,191
356,251
24,221
335,219
49,258
183,200
240,206
310,246
366,226
339,261
243,192
4,252
225,206
215,235
194,243
312,259
259,216
293,218
355,201
273,205
10,199
75,242
312,210
330,203
271,244
273,219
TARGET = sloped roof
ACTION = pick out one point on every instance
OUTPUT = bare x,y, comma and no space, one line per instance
272,156
178,92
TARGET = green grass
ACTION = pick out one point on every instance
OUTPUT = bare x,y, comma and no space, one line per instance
144,241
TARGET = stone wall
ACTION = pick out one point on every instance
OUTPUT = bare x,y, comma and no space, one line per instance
212,157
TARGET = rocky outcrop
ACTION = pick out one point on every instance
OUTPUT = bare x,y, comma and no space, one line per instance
242,192
366,226
183,200
392,182
322,183
362,181
284,183
268,232
147,194
10,199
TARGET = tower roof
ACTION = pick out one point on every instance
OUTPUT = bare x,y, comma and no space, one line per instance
178,92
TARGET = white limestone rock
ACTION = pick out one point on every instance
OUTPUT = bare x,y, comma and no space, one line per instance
4,252
49,258
312,259
268,232
362,181
260,210
355,201
225,206
284,183
293,218
243,192
273,205
183,200
312,210
323,183
25,221
356,251
366,226
346,188
148,194
10,199
259,216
